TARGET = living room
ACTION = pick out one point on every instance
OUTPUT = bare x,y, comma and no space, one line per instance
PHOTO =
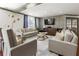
39,29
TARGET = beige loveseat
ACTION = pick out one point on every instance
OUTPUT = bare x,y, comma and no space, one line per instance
63,45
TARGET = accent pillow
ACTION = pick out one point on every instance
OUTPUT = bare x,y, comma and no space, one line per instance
68,36
63,31
18,39
59,36
75,38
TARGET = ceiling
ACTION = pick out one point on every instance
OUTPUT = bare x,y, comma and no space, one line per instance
53,9
17,7
43,9
12,6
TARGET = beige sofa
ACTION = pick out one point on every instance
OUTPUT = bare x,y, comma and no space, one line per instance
62,47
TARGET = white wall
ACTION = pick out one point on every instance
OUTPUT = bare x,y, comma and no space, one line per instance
7,19
3,18
18,23
60,22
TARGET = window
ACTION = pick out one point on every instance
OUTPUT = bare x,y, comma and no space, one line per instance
31,22
69,23
72,23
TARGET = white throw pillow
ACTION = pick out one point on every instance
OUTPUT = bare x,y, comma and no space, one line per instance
63,31
75,38
18,39
59,36
68,36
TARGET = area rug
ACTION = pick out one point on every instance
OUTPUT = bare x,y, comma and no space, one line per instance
42,49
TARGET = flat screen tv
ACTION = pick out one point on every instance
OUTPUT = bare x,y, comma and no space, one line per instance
49,21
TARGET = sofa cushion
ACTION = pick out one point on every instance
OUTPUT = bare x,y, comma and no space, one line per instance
75,38
68,36
63,31
59,36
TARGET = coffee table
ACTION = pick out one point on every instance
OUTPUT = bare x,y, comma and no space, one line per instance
42,35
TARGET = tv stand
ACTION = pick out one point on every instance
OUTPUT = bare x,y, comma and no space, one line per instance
50,31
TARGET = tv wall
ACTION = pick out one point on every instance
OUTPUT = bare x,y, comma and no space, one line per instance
49,21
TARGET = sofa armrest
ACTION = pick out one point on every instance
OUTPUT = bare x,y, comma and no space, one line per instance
64,42
62,47
28,49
